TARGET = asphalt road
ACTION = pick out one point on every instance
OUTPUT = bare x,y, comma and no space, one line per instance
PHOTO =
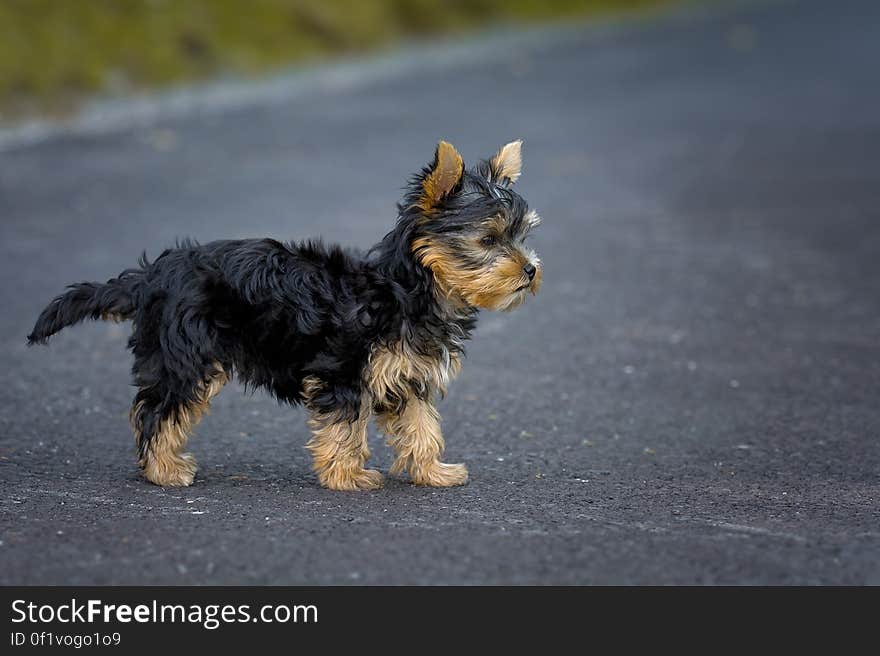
692,399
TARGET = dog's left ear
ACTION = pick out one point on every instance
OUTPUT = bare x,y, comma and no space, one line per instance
507,162
442,175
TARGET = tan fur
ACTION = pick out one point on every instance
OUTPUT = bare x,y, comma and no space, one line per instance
493,287
414,432
413,426
447,171
164,462
394,378
339,447
507,162
394,370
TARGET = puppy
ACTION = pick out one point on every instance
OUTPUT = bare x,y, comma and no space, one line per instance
348,335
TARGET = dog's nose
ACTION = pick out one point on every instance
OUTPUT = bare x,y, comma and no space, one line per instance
530,271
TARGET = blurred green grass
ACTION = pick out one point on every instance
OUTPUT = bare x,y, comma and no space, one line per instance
54,53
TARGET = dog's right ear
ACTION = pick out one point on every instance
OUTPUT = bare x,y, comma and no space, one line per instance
507,162
442,176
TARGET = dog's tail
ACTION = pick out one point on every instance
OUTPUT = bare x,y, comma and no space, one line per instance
86,300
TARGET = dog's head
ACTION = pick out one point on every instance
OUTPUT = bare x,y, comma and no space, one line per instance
471,226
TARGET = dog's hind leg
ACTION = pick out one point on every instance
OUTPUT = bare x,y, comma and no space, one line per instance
339,444
161,428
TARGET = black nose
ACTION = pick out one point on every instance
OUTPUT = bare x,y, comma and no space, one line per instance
530,271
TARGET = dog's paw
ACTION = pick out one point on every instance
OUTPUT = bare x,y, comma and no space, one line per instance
364,479
369,479
440,474
176,471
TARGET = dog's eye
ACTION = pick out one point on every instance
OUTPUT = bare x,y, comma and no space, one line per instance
489,241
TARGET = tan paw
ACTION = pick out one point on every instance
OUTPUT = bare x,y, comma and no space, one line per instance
173,471
363,479
439,474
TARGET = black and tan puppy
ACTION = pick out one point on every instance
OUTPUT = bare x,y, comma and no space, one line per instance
346,334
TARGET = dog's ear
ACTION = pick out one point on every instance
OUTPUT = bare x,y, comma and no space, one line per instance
507,162
443,175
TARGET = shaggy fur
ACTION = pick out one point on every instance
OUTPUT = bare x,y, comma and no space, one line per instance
344,333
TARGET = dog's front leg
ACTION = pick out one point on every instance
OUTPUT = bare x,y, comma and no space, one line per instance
339,449
414,432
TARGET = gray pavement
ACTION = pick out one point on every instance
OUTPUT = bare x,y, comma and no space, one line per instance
692,399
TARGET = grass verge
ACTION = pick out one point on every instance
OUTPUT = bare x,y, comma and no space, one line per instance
55,53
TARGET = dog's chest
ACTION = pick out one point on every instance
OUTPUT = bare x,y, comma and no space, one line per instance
398,372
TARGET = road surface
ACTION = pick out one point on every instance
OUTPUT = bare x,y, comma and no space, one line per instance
692,399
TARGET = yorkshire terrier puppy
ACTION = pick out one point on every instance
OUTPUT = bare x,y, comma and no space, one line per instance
349,335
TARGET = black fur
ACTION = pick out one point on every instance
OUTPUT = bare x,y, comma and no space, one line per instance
275,313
